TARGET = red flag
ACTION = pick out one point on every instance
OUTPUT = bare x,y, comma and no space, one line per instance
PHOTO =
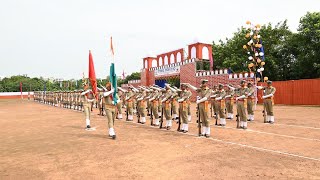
21,88
111,46
92,74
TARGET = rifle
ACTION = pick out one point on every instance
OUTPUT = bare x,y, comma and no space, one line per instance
138,114
151,117
127,114
216,117
238,120
264,113
161,120
179,121
211,109
199,123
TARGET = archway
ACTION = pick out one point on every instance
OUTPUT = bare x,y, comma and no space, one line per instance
205,53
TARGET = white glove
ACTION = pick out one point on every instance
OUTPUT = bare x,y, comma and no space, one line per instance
228,96
151,99
140,99
85,92
219,98
213,96
201,100
267,96
240,97
260,87
112,102
118,101
180,100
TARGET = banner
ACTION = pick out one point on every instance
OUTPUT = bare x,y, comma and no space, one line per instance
167,71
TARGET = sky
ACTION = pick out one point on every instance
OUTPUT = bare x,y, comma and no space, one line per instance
53,38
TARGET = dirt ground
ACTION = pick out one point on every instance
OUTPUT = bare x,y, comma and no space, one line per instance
44,142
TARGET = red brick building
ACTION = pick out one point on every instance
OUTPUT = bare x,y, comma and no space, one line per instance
176,64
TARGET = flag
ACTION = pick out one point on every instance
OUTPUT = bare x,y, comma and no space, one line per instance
123,75
111,46
211,60
113,76
21,88
92,74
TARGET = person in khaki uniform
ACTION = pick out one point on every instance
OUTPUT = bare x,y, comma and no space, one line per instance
119,105
188,103
154,101
220,104
268,100
167,107
183,107
87,99
110,108
142,105
203,102
100,99
129,102
229,101
250,102
241,103
174,103
134,99
213,101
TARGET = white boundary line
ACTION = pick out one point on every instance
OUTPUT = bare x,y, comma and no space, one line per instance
307,127
261,132
238,144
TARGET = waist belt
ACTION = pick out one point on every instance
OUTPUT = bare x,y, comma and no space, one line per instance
204,102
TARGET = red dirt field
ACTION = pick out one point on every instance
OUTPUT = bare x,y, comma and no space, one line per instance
44,142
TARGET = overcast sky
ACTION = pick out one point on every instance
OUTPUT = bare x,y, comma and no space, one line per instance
52,38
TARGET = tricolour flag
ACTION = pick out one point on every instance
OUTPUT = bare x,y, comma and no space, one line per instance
113,76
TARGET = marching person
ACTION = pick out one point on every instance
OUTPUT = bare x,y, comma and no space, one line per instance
119,104
213,101
220,104
123,97
154,101
250,102
129,102
134,99
188,102
183,107
87,98
142,105
241,103
174,102
229,101
110,109
203,102
100,99
268,100
167,107
119,107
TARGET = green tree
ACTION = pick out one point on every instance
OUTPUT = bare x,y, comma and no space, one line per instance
307,46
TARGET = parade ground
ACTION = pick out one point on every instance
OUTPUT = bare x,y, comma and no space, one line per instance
44,142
